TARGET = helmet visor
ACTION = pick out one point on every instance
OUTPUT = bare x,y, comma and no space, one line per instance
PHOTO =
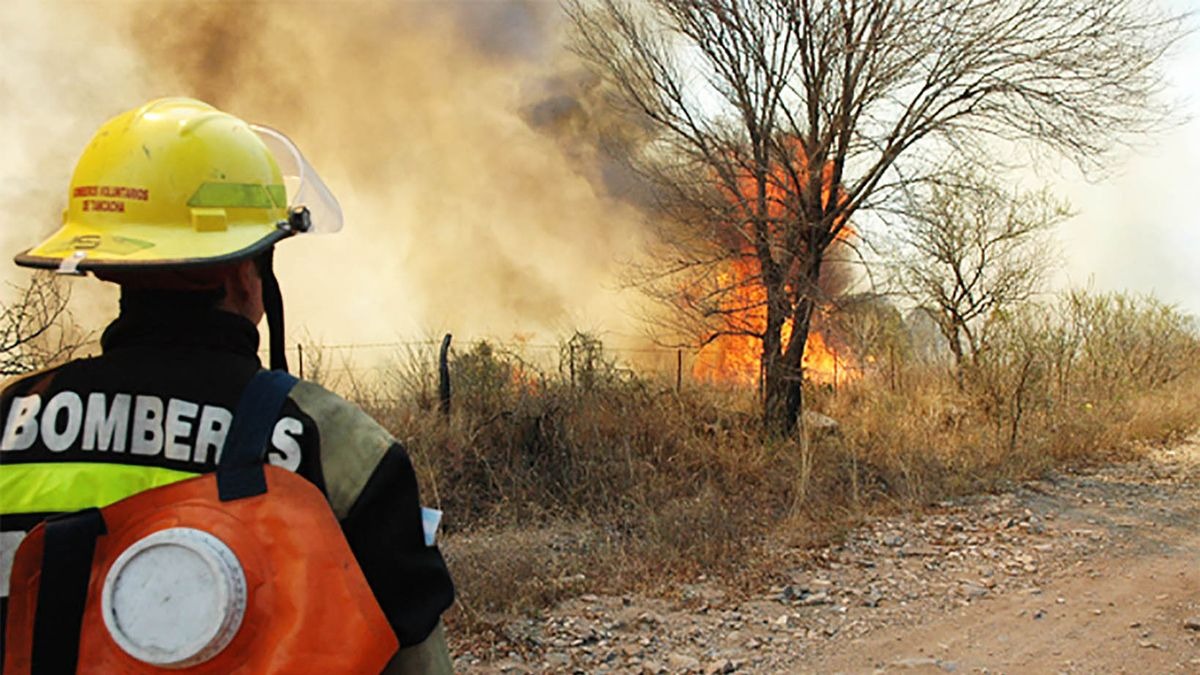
304,186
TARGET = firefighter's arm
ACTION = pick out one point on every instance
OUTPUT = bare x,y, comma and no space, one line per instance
372,488
409,579
431,657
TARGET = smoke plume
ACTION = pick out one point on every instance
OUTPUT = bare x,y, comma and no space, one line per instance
426,119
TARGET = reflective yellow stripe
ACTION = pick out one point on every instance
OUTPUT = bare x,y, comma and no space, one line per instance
238,195
69,486
100,243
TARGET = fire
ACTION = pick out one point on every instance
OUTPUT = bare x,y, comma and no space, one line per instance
732,358
823,364
737,357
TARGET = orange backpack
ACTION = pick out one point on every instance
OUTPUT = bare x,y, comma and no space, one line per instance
244,570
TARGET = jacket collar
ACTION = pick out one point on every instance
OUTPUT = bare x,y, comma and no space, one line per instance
178,320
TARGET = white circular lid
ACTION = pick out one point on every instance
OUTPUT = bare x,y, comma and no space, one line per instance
174,598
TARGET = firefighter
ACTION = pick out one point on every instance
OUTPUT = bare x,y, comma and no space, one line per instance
182,205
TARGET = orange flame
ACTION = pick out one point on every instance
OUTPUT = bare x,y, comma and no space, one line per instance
825,365
737,358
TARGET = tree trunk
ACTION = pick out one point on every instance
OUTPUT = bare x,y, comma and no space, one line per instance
949,326
957,350
772,364
784,400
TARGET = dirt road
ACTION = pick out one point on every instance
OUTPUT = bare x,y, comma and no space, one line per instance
1094,572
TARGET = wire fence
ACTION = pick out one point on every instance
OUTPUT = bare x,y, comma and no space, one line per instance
371,366
365,359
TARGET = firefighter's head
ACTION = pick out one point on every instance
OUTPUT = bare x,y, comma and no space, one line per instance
235,287
177,195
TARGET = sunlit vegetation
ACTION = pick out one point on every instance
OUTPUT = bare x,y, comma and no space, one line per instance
619,481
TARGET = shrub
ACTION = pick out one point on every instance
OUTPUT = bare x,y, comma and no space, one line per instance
584,476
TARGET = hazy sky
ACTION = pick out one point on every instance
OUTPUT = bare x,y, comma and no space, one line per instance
1139,230
461,214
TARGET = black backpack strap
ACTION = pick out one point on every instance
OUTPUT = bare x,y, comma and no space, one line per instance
70,544
240,469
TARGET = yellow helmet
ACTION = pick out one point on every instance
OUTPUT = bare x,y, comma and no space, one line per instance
178,183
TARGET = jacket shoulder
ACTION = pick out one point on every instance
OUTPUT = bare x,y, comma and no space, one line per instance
352,443
24,382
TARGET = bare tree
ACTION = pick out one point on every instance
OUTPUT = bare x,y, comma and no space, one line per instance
775,121
874,330
36,328
971,249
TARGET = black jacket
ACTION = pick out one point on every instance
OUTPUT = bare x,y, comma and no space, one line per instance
161,395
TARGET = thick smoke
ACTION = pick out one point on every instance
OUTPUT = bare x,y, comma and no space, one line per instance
461,214
63,74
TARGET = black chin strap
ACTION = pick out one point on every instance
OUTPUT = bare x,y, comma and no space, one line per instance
273,305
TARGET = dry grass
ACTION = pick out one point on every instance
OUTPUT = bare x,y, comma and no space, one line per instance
620,483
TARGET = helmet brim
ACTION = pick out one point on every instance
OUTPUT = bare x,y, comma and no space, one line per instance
148,247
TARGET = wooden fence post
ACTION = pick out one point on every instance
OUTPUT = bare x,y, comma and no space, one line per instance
444,377
571,363
892,364
678,370
835,370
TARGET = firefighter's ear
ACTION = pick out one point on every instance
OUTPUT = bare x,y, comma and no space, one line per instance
243,291
249,277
